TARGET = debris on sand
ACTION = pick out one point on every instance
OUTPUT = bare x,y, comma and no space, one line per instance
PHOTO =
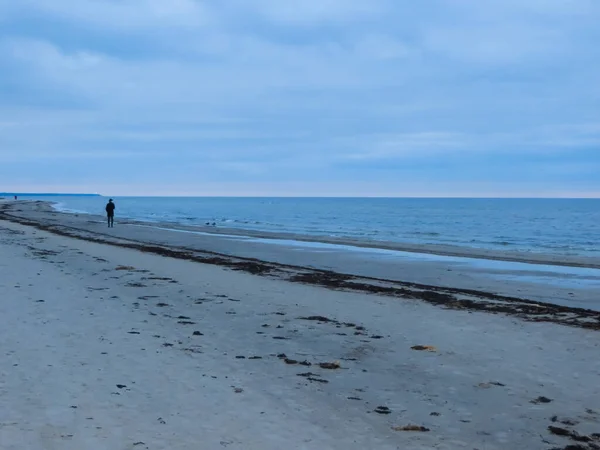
324,319
575,436
238,390
318,380
186,322
197,333
330,365
559,431
312,377
294,362
412,428
424,348
542,399
125,268
567,422
318,319
192,350
490,384
383,410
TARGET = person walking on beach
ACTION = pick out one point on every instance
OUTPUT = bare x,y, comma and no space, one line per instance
110,213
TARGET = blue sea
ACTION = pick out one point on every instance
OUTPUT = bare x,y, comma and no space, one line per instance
550,226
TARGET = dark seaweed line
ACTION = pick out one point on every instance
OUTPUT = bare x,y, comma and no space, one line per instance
223,259
440,296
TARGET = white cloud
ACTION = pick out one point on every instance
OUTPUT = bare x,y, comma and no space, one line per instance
270,88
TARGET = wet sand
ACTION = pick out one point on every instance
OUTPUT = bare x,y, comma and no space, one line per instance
114,341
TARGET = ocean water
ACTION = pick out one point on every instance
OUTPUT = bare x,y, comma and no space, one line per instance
550,226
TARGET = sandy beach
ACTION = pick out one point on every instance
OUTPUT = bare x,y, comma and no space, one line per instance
141,337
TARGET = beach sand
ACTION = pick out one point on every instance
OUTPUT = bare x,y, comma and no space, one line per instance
111,341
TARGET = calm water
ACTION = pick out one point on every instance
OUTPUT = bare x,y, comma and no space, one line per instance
561,226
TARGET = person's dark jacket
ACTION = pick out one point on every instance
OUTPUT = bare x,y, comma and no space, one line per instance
110,209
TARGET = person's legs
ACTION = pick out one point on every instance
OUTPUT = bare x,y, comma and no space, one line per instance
111,220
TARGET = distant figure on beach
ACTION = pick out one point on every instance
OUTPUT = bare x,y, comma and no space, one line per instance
15,197
110,213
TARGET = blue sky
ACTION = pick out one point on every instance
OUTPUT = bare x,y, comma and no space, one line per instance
318,97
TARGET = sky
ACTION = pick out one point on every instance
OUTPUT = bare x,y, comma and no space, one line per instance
309,98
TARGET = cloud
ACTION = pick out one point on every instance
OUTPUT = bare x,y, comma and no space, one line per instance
325,93
314,12
111,14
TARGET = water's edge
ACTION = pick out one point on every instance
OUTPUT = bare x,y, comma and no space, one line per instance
426,249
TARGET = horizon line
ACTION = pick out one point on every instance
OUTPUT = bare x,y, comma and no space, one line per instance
494,197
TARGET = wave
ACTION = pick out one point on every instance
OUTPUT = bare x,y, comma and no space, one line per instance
61,207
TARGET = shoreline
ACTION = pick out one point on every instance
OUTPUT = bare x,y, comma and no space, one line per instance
451,295
447,250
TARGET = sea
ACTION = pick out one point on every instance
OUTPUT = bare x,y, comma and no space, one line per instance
548,226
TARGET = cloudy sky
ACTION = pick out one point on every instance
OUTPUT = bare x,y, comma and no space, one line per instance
307,97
